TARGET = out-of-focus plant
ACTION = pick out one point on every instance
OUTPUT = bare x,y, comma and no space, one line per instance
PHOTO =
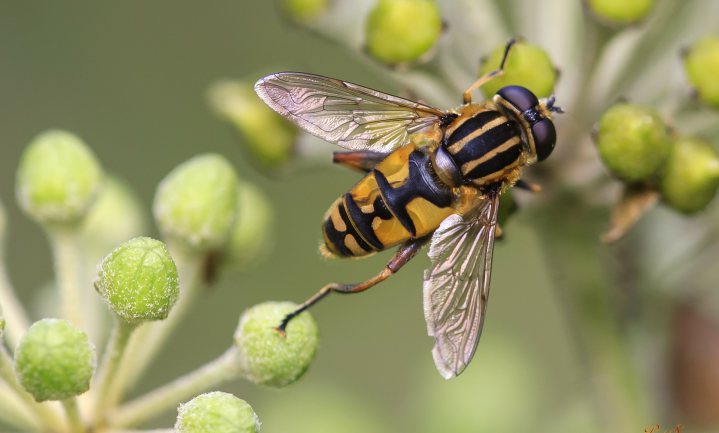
205,214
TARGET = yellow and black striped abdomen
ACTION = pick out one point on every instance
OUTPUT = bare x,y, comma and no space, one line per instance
400,199
485,144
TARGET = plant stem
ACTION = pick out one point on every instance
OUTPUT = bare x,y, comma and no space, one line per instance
73,415
148,341
15,412
224,368
15,315
68,260
42,413
116,345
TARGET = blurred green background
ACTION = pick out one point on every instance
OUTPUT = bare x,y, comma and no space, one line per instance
130,78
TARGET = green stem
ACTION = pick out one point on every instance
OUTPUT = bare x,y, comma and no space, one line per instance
148,341
13,411
222,369
16,318
43,414
68,260
73,415
116,345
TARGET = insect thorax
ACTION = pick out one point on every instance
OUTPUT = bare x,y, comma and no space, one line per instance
485,145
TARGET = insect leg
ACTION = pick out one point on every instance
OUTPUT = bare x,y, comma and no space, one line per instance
484,79
363,160
403,255
528,186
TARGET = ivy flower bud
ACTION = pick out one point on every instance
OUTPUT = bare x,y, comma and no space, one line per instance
216,412
58,178
702,67
304,11
270,358
251,238
400,31
690,177
620,11
116,216
196,203
138,280
527,65
269,138
632,141
54,360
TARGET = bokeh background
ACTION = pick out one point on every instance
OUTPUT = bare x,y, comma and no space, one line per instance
131,79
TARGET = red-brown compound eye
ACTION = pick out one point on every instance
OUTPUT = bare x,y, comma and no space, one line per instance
545,136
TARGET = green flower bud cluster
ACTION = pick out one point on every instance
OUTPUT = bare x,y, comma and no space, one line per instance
527,65
268,357
54,360
701,64
637,147
620,11
269,138
216,412
138,280
399,31
304,11
58,178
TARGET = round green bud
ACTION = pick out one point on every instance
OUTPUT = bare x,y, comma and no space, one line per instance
269,138
400,31
702,67
690,177
620,11
633,141
269,358
54,360
216,412
58,178
304,11
116,216
251,238
138,280
196,203
527,65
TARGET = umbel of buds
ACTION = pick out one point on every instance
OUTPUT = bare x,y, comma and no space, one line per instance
54,360
216,412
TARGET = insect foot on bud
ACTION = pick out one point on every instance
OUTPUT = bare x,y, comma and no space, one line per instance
54,360
633,142
57,179
690,177
701,64
270,358
399,31
138,280
216,412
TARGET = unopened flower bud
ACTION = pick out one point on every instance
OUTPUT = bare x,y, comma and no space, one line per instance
138,280
269,138
400,31
690,177
620,11
54,360
58,178
270,358
216,412
251,238
304,11
633,141
196,203
702,67
527,65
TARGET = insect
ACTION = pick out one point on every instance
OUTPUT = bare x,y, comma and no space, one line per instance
431,176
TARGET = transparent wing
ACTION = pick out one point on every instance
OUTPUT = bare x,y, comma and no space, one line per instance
456,285
346,114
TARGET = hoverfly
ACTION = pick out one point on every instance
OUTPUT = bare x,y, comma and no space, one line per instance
432,176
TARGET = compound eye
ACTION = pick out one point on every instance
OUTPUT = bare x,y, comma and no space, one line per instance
520,97
545,136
